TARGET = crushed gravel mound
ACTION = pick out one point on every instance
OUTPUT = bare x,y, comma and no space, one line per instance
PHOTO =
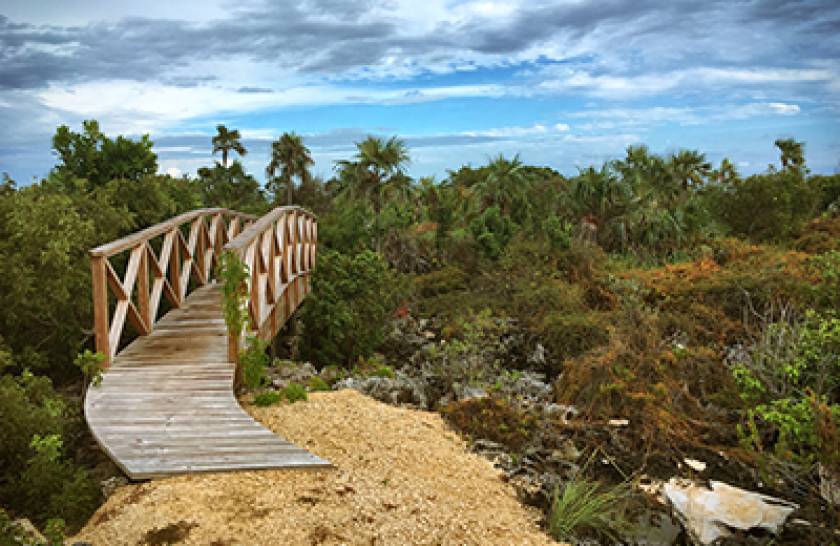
401,477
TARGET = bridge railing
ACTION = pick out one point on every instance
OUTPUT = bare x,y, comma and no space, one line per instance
279,251
189,247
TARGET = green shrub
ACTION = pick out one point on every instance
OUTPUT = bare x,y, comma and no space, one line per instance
90,364
268,398
316,384
294,392
582,508
384,371
29,407
52,486
826,293
492,231
793,369
345,315
36,477
786,201
253,362
441,282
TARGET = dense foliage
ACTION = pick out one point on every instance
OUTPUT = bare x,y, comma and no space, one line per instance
346,315
654,284
100,189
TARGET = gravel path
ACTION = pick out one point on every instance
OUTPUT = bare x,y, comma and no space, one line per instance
400,477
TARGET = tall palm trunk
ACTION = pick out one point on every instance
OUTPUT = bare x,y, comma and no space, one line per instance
290,191
377,210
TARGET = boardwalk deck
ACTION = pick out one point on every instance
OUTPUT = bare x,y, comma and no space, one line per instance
166,405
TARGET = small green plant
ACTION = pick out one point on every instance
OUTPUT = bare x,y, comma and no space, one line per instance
294,392
585,508
384,371
316,383
268,398
90,364
253,361
55,532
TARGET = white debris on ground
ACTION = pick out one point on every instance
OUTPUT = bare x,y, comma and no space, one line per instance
709,514
695,465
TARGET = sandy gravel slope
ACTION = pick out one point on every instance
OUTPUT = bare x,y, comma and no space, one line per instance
400,477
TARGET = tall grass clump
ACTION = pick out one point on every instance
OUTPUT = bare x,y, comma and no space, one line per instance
581,507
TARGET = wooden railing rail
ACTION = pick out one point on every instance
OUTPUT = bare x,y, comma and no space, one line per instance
150,276
279,251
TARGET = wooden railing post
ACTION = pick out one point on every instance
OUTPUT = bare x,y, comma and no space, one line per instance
175,267
143,289
100,307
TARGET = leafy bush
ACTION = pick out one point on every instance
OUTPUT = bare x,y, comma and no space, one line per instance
826,293
441,282
384,371
345,315
472,354
90,364
492,231
786,201
791,369
268,398
253,362
316,384
52,486
582,508
294,392
36,477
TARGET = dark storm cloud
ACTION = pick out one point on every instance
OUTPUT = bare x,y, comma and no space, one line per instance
334,37
32,56
535,24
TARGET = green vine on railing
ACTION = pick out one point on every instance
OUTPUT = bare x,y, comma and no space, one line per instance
252,361
233,274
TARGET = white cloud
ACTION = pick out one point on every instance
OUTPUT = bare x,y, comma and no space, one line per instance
509,132
134,108
608,86
784,109
615,118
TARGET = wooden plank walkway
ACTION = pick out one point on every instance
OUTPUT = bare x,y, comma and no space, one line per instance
166,405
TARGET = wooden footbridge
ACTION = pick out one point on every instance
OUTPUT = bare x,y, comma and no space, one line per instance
166,403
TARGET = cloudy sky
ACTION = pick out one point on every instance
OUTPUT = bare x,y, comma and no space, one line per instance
563,83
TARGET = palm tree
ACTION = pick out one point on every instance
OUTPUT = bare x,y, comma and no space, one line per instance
603,200
226,141
506,185
727,173
293,159
793,153
374,167
689,168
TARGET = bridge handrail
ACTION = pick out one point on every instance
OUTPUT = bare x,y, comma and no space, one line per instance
279,251
180,259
